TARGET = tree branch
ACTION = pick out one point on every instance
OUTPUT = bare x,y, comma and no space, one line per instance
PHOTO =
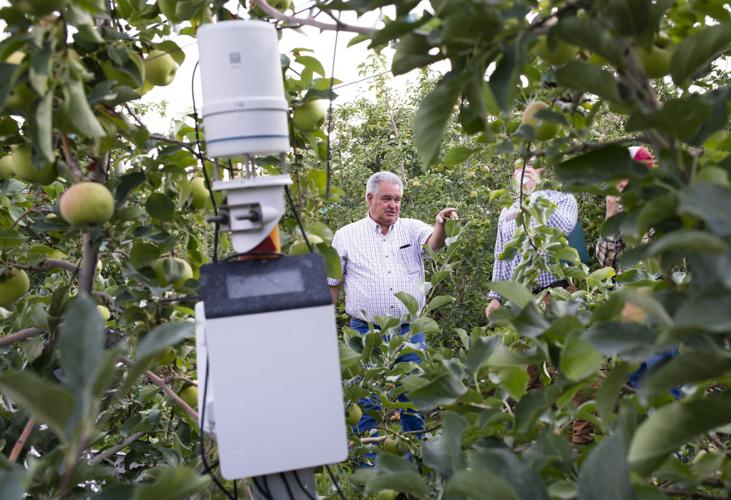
76,172
89,255
166,389
114,449
682,493
20,443
310,21
21,335
47,264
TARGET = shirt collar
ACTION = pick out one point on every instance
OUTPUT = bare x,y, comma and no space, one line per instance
375,226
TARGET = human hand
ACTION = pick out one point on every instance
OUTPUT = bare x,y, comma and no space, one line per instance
613,205
447,213
492,306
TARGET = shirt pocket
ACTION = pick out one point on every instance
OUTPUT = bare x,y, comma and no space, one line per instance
411,259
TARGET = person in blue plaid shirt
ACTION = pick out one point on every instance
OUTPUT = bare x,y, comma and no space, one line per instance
564,218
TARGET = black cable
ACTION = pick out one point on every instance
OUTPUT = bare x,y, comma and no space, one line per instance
265,493
266,486
328,154
202,160
302,487
286,485
335,482
236,490
297,217
207,467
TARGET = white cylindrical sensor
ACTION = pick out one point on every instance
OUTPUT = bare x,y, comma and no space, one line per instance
244,106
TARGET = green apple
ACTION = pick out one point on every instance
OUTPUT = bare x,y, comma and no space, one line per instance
86,203
39,7
19,98
310,115
24,169
394,445
104,312
559,53
190,396
353,414
177,269
199,192
655,61
160,68
415,183
6,167
165,357
13,286
387,495
543,130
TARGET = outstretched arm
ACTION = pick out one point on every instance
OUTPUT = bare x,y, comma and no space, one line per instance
439,235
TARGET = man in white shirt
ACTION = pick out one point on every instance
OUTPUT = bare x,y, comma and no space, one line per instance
380,256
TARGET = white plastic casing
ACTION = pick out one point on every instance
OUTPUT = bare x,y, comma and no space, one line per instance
244,106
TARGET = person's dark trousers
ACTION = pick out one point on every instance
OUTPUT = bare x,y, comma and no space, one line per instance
411,421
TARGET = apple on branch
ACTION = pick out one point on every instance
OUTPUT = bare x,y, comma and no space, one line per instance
160,68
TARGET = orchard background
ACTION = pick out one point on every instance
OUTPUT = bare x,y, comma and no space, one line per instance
90,405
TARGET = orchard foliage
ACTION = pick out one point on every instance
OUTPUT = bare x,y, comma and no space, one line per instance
90,405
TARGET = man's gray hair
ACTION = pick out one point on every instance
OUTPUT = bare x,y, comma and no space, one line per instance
381,177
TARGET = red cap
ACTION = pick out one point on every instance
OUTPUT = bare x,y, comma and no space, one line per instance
642,155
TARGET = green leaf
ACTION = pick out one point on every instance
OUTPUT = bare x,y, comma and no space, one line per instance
443,453
394,473
161,337
588,33
46,402
579,359
173,49
708,202
82,117
173,483
682,118
504,81
529,322
533,405
143,254
591,78
465,483
41,127
425,324
674,425
443,390
311,63
608,393
648,303
511,290
707,310
692,58
9,238
598,480
458,154
690,367
412,52
160,207
506,465
40,69
13,482
631,341
686,241
550,450
438,301
127,183
601,165
432,116
480,351
514,379
408,300
81,344
332,260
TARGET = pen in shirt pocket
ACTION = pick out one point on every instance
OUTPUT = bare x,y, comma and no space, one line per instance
404,246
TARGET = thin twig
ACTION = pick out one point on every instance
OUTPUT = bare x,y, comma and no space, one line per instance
166,389
20,443
681,493
310,21
21,335
114,449
76,172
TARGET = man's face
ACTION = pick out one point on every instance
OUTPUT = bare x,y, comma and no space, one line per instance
530,179
384,205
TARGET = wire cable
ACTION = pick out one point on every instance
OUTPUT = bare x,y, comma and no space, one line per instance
297,217
335,482
302,486
202,160
286,485
331,96
207,467
264,492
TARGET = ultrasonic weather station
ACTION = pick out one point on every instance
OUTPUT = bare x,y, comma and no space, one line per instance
265,330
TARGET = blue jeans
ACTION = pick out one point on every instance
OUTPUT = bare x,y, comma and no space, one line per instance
634,378
411,421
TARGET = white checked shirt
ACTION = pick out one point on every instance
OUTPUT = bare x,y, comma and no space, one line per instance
376,266
564,218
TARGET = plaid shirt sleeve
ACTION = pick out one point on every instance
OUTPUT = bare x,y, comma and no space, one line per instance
500,268
566,213
609,249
